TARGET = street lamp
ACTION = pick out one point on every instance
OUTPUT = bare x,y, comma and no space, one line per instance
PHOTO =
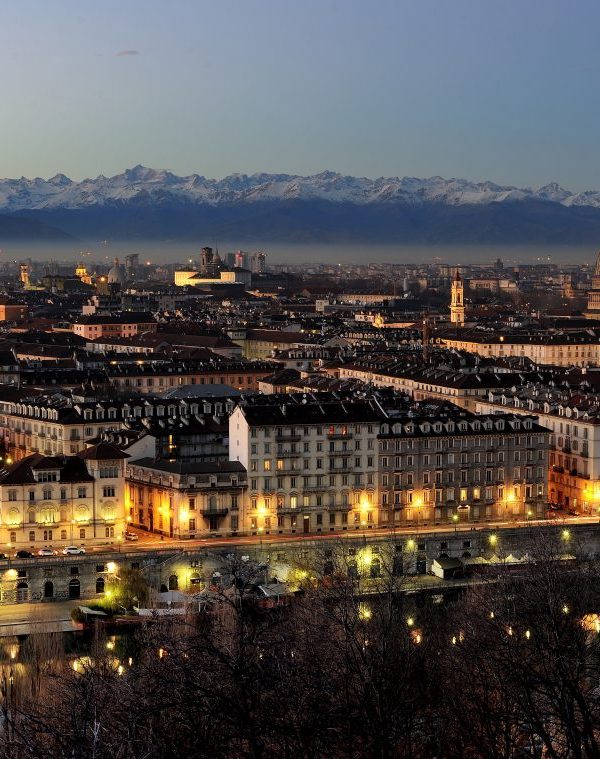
455,520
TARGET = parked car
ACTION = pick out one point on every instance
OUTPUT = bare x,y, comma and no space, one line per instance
131,536
23,555
73,550
47,552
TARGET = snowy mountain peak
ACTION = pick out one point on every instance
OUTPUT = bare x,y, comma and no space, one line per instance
145,185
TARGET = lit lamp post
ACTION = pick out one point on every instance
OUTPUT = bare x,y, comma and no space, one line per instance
455,520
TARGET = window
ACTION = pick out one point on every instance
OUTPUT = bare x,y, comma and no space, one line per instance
12,495
109,471
32,536
82,492
108,492
47,494
82,533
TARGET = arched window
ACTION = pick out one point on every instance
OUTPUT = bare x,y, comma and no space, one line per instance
100,585
48,589
173,582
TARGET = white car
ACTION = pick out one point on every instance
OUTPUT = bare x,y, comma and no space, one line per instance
47,552
73,550
131,536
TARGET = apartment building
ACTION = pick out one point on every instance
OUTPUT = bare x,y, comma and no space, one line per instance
61,500
439,463
59,424
125,324
161,376
312,463
423,381
573,419
568,348
185,500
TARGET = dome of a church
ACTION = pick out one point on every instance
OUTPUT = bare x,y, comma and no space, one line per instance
116,275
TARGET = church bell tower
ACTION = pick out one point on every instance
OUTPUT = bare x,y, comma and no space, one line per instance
457,303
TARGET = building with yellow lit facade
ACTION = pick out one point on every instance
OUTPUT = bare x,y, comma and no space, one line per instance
573,421
55,501
453,466
342,464
185,500
312,465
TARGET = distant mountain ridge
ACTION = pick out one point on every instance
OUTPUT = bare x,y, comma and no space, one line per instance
143,203
145,185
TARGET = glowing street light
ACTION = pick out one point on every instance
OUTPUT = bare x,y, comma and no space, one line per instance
364,612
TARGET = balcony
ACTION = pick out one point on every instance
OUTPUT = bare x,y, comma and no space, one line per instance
288,438
208,512
288,454
339,436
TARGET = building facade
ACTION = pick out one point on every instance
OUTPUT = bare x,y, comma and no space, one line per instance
312,467
57,501
454,466
574,444
186,500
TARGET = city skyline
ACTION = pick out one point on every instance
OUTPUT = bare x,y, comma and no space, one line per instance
470,90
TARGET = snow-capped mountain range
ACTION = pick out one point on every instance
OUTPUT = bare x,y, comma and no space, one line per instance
145,186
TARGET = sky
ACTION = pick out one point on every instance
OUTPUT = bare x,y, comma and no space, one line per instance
505,90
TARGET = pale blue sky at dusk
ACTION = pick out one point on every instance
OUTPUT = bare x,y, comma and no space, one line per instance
504,90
